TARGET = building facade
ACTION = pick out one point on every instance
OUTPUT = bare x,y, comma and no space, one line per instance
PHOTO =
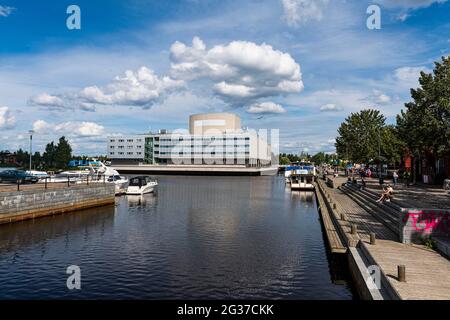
212,139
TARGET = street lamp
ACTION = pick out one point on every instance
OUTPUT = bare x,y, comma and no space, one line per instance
31,145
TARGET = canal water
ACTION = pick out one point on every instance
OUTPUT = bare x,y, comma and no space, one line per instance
195,238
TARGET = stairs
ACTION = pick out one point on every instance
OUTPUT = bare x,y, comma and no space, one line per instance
387,213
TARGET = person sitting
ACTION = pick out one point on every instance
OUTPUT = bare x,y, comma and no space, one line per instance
387,194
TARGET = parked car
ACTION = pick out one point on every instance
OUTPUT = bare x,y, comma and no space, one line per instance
14,176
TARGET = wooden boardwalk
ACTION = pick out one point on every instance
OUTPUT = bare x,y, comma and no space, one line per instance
427,272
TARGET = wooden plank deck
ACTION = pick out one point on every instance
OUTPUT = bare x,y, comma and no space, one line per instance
427,272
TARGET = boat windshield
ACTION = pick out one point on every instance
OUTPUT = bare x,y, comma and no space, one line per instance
137,182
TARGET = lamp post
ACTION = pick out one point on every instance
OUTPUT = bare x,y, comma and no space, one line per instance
31,145
381,180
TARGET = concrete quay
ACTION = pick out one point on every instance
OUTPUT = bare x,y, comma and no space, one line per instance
38,202
370,237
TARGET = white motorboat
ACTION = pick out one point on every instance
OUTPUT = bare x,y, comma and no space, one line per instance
120,182
141,185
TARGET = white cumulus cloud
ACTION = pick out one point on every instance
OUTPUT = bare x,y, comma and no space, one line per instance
266,108
7,120
298,12
241,70
69,128
140,88
330,107
47,100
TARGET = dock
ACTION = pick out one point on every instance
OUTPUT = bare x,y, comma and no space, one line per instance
355,217
39,200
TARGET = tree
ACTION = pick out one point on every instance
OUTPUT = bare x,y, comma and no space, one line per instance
63,153
284,160
358,138
49,155
425,124
319,158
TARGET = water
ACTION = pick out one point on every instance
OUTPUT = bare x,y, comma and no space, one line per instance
197,237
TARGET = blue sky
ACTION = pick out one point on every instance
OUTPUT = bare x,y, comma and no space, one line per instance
300,66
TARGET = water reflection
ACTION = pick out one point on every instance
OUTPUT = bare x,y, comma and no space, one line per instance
141,201
196,237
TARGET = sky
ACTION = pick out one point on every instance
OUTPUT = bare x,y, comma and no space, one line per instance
299,66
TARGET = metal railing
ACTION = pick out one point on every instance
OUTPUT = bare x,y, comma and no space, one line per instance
52,183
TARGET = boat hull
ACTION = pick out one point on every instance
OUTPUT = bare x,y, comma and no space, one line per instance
306,186
140,192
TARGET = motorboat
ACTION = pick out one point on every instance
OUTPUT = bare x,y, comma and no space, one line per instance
120,182
141,185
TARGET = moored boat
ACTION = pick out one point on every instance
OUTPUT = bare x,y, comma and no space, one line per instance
141,185
303,178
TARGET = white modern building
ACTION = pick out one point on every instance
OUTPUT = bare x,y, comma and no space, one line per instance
212,139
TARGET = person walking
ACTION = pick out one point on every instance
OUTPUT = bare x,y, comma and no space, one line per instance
406,177
395,178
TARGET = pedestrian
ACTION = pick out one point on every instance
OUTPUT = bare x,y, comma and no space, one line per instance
406,177
395,178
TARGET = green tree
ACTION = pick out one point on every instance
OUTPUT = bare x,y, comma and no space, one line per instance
63,153
49,155
284,160
319,158
359,136
425,124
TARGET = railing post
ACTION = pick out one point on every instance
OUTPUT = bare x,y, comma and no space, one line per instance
18,185
45,182
87,179
68,181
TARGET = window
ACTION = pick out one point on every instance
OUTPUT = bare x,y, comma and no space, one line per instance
111,147
129,140
112,140
111,153
130,153
121,140
120,147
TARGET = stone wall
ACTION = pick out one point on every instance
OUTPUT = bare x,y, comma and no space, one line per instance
417,224
29,204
